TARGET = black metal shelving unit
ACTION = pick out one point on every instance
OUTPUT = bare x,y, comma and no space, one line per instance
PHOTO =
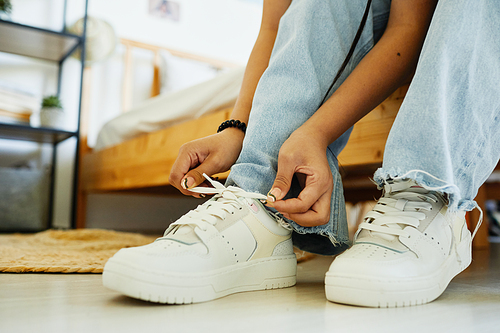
53,46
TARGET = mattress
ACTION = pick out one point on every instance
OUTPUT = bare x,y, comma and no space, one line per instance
169,109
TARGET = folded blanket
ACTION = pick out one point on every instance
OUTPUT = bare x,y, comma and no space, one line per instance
167,110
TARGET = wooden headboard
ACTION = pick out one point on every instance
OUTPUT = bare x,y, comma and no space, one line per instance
128,79
94,166
156,84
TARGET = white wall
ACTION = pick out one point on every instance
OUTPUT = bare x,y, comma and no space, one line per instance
222,29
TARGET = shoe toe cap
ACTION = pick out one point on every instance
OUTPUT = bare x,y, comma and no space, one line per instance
372,261
161,255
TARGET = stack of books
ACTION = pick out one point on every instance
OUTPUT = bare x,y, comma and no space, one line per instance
16,104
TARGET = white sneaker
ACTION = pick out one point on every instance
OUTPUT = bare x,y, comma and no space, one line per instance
406,251
227,245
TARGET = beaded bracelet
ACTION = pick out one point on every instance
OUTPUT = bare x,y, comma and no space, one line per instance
232,123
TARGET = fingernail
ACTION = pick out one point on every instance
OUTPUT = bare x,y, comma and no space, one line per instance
273,194
187,183
202,195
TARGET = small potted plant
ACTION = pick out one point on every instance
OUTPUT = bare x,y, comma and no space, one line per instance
52,113
5,9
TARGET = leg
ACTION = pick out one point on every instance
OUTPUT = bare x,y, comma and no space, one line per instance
231,243
443,145
452,105
312,43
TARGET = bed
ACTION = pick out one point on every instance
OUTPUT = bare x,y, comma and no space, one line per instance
142,162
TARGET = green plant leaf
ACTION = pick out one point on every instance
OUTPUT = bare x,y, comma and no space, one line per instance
5,6
51,101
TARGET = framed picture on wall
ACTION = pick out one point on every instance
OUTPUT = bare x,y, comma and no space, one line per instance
165,9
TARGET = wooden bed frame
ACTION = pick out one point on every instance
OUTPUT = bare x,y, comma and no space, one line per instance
142,164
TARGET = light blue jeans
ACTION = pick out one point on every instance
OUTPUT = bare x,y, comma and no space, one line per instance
445,128
313,39
447,132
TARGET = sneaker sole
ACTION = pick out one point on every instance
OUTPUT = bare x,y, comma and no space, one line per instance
171,288
367,292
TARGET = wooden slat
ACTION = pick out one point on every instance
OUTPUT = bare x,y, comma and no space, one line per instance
156,85
127,88
127,80
146,160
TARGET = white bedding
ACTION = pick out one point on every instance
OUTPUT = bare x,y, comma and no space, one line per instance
169,109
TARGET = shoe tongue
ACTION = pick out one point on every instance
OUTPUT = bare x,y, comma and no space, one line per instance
393,190
183,234
378,238
182,230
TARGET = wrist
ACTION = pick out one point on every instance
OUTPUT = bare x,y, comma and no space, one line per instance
314,133
233,134
232,123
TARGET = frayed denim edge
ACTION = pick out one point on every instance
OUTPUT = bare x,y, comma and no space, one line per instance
291,225
429,182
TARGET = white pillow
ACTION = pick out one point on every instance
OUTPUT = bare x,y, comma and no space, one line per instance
179,73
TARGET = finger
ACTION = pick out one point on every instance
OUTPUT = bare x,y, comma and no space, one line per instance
191,156
282,183
319,213
195,176
176,175
306,199
181,167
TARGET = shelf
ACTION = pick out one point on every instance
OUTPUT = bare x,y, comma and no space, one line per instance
34,134
36,42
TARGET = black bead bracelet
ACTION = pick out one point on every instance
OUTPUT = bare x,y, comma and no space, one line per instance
232,123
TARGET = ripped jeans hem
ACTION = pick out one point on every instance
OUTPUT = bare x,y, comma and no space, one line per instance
429,182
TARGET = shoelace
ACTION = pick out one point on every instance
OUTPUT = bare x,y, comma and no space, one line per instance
407,207
226,201
442,188
392,214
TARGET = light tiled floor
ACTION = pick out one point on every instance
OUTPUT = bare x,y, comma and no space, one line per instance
79,303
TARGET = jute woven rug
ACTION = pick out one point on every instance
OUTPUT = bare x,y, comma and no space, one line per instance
70,251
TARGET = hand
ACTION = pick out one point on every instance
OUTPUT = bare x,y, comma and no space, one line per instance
212,154
305,157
